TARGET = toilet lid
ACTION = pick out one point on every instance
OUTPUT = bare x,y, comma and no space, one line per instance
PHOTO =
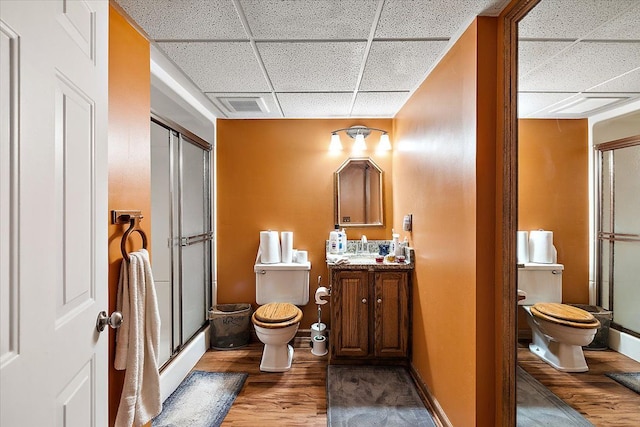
276,312
565,314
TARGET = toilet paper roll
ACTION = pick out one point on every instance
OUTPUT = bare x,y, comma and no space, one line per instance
286,240
269,247
319,345
523,247
541,249
321,292
302,257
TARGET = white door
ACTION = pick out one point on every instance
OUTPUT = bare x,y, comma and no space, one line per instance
53,212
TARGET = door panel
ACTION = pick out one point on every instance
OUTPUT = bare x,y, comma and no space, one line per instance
53,202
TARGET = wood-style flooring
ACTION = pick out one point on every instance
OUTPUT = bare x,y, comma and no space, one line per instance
597,397
293,398
298,397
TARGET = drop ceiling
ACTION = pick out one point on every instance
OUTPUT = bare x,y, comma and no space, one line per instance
364,58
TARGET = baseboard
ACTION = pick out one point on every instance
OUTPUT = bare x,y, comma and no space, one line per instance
624,344
431,402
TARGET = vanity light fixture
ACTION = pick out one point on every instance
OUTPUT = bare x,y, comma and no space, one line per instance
359,134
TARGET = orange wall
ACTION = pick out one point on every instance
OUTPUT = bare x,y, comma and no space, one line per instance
129,156
444,173
278,175
553,194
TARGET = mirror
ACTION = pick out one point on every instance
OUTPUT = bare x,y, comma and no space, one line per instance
358,193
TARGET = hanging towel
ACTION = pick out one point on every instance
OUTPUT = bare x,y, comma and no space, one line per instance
137,342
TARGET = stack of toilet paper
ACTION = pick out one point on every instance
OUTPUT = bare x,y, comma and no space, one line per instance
278,247
536,246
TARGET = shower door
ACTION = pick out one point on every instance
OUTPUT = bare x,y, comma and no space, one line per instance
618,273
181,234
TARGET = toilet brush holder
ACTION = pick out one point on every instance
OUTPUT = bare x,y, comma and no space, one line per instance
317,329
319,345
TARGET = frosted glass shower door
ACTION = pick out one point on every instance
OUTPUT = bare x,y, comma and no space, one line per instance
619,235
196,235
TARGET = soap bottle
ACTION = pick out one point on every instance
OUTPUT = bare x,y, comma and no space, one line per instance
394,247
334,241
343,234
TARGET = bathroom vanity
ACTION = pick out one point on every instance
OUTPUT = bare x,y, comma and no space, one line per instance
370,313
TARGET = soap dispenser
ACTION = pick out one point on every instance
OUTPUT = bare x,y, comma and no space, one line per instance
343,241
394,247
334,241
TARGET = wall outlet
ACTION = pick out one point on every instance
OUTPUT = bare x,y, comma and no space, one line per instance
407,222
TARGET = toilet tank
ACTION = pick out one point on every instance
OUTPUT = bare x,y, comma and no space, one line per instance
541,282
282,282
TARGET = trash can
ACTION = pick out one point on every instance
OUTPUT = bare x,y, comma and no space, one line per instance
230,326
601,340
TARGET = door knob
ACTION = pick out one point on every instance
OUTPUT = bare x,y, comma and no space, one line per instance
379,300
364,300
115,320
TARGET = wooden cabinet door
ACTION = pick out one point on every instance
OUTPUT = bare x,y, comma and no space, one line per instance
350,320
391,314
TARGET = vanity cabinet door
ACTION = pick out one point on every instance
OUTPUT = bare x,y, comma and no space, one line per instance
350,308
391,314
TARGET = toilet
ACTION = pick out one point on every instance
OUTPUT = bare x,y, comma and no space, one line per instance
280,288
558,330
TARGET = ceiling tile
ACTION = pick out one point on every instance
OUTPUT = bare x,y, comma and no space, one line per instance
429,19
307,105
625,83
313,66
533,54
219,67
569,19
316,19
193,19
625,26
268,98
583,66
394,65
378,104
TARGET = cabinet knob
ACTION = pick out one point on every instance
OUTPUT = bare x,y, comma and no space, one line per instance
364,300
379,300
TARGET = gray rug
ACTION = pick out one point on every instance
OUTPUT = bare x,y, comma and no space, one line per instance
373,396
630,380
201,400
537,406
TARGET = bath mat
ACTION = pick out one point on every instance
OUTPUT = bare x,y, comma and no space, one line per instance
373,396
201,400
630,380
538,406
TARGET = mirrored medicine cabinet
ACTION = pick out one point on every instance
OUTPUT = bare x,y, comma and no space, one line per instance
358,193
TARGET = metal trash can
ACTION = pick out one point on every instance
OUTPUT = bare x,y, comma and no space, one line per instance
230,326
601,340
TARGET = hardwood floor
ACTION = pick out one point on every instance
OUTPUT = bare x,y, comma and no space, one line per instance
298,397
293,398
597,397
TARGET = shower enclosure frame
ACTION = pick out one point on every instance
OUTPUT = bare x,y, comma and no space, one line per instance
177,241
606,241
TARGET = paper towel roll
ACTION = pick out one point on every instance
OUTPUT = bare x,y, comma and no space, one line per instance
269,247
302,257
286,240
523,247
541,249
321,292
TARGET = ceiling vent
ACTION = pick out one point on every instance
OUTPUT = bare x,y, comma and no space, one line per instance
254,104
588,104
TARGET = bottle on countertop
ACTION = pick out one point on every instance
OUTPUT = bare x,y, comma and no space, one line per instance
394,247
334,241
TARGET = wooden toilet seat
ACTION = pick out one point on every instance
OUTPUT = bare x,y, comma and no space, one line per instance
566,315
276,315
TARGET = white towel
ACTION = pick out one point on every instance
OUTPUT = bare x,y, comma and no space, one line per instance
137,342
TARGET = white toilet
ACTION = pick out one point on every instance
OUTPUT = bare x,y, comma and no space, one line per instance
558,330
279,289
